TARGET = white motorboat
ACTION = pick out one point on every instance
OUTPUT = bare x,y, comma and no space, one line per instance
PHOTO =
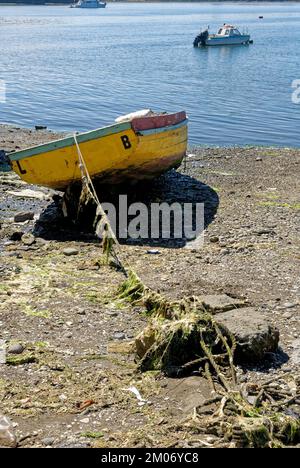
89,4
227,35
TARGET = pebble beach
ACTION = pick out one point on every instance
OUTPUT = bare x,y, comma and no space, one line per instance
69,370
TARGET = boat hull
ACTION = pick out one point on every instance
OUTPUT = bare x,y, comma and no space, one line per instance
90,5
130,151
238,40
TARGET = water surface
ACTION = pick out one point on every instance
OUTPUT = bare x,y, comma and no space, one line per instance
73,69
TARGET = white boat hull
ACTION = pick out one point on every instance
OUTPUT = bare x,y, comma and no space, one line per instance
100,6
95,4
237,40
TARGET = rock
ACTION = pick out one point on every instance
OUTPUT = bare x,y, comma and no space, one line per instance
16,236
72,445
287,315
85,420
13,254
259,159
70,251
290,305
81,312
7,435
48,441
28,239
41,241
111,313
262,232
295,355
189,393
221,303
9,244
57,198
255,336
28,193
153,252
214,239
27,248
119,336
23,216
16,349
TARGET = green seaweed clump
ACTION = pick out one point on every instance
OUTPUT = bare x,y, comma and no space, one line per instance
21,360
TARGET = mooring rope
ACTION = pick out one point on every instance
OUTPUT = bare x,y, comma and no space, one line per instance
88,183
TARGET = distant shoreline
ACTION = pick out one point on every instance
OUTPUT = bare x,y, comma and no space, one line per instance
66,2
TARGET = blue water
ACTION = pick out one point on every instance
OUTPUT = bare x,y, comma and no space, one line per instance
75,69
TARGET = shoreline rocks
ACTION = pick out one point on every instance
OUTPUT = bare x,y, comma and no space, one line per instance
254,335
23,216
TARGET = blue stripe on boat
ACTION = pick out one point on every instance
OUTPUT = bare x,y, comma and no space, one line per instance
154,131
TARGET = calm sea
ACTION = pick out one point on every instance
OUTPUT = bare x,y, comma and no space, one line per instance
77,70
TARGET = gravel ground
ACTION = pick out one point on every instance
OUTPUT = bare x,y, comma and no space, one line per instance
72,388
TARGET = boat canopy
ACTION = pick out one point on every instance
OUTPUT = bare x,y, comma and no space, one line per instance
228,30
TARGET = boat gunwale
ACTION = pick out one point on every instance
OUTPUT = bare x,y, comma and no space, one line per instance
218,36
154,131
88,136
69,141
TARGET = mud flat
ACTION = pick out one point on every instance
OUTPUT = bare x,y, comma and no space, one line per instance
67,377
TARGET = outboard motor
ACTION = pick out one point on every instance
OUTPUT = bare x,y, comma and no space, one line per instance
201,39
4,162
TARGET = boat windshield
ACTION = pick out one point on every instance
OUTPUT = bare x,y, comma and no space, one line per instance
228,31
223,32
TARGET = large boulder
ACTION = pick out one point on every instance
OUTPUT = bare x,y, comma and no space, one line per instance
23,216
216,303
254,334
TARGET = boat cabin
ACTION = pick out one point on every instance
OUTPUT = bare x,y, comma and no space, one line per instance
228,30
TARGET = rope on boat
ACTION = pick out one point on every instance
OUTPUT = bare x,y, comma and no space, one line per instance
111,245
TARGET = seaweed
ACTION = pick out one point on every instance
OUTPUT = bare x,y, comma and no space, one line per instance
183,336
21,360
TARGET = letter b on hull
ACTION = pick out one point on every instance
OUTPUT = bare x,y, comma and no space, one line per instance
126,142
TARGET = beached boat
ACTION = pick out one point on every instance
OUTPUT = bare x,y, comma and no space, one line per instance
89,4
139,146
227,35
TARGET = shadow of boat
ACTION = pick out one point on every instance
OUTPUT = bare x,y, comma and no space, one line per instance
171,188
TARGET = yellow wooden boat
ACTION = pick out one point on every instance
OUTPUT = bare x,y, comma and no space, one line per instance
135,149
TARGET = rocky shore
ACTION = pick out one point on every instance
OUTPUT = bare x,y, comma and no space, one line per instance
68,377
